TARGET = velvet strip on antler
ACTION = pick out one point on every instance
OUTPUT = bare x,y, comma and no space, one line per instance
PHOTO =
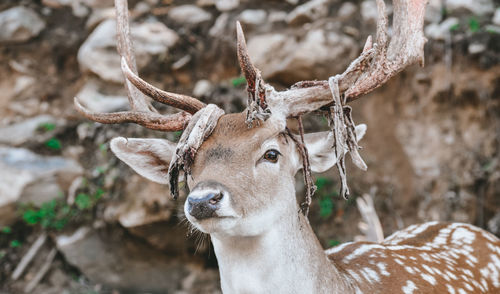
344,136
199,128
306,166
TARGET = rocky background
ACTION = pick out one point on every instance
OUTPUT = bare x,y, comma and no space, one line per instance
73,219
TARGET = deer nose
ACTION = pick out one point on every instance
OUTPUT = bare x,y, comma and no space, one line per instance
205,206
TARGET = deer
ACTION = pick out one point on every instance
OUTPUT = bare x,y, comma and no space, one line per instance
240,170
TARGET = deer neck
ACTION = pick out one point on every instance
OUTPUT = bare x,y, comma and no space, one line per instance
286,258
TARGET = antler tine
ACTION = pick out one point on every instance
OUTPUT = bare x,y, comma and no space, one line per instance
187,103
125,49
142,112
405,48
375,66
248,69
256,87
150,120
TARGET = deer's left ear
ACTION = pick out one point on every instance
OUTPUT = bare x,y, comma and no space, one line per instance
148,157
319,147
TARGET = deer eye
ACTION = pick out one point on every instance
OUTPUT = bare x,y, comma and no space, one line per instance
271,155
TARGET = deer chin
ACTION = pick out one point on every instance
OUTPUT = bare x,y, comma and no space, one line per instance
215,224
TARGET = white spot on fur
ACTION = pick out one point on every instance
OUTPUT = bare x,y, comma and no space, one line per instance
469,287
429,279
382,267
362,250
451,290
410,270
451,275
370,275
427,268
409,288
354,275
463,235
337,248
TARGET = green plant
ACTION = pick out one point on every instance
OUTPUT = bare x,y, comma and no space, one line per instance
474,25
46,127
238,81
326,206
54,214
6,230
333,243
101,169
454,27
322,182
83,201
177,135
325,199
15,244
444,12
53,144
103,148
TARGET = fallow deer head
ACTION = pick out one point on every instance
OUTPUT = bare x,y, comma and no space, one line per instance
240,167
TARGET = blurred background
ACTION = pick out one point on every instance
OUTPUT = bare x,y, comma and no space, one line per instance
73,219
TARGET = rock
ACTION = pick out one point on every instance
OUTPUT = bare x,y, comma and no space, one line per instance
176,243
117,261
80,8
494,224
226,5
277,16
99,15
464,7
189,14
98,53
253,17
181,62
200,280
28,107
307,12
347,10
440,31
496,17
319,54
493,29
293,2
24,131
369,12
476,48
220,26
143,202
96,101
202,88
434,11
142,8
205,3
19,24
23,83
26,176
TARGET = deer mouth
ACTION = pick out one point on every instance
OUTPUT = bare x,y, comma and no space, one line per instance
213,224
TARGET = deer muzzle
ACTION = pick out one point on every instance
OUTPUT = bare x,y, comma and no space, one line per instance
204,206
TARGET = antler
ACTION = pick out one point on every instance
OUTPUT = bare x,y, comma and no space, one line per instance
380,61
142,112
256,87
375,66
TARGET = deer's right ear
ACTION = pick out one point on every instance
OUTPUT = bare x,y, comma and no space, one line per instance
148,157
